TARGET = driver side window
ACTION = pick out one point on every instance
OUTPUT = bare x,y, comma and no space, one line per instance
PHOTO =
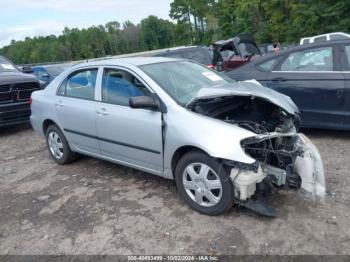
119,85
318,59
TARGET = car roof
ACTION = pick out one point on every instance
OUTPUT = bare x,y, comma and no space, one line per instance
135,61
323,43
183,49
53,65
5,58
327,34
48,66
36,67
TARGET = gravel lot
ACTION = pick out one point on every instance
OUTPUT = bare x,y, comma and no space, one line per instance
95,207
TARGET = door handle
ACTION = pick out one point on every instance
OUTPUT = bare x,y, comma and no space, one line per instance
103,112
340,93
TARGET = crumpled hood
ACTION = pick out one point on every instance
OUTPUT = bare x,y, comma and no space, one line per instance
15,77
248,88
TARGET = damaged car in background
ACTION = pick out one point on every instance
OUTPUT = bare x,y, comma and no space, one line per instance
222,142
238,51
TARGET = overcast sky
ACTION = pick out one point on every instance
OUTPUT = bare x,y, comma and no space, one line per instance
22,18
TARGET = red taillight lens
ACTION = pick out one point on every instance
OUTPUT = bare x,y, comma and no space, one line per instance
30,101
210,66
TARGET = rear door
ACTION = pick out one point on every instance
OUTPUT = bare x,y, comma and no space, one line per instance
312,78
345,51
76,110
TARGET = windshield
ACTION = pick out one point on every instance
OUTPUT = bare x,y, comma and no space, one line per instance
55,70
6,66
183,79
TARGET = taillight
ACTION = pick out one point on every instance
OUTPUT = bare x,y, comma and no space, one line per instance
210,66
30,101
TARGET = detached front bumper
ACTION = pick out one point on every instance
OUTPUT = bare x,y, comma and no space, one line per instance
305,173
309,167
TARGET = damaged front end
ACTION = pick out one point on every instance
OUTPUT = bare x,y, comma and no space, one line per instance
289,160
283,157
286,161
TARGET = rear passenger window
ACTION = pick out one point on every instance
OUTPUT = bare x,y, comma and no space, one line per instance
80,85
119,85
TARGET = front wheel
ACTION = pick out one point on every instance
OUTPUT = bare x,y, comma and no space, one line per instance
204,183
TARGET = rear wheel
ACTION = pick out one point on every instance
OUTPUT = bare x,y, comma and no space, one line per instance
58,146
204,183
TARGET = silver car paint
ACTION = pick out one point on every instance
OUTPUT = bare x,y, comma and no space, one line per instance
183,127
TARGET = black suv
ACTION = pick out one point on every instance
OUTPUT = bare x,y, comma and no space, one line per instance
15,91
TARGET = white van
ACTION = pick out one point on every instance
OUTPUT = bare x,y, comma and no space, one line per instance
324,37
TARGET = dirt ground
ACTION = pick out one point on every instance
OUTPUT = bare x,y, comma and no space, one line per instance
95,207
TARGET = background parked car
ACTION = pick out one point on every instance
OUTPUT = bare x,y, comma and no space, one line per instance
315,76
324,37
199,54
15,91
238,50
47,73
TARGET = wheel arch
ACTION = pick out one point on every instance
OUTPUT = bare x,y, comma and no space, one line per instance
46,124
181,151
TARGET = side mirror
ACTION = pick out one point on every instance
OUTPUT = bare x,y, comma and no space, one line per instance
27,70
144,102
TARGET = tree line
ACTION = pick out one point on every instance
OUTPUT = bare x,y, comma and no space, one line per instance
193,22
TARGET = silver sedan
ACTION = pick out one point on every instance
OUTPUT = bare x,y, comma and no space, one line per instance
222,142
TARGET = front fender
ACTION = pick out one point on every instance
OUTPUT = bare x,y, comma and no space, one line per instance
215,137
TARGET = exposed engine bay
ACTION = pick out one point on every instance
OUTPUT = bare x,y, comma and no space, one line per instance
254,114
262,118
283,157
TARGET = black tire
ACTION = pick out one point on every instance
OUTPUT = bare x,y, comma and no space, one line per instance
67,154
227,196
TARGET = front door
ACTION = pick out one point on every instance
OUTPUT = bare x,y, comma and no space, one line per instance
75,107
129,136
312,79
